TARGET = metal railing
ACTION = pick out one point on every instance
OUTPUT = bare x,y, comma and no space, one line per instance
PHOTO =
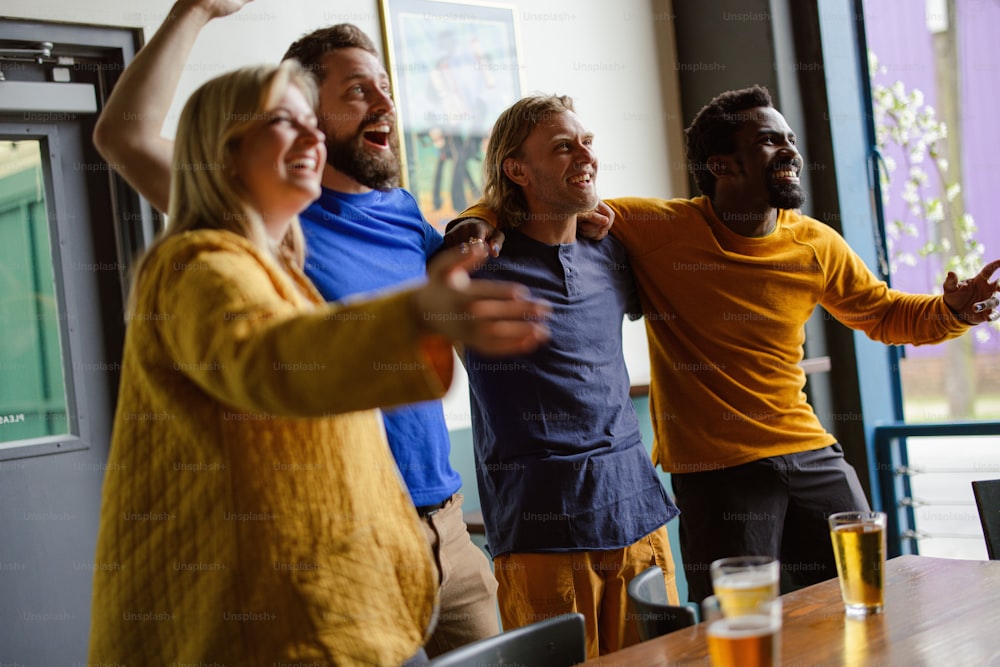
895,474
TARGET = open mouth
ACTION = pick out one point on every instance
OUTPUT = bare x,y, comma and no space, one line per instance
788,171
582,179
378,135
300,164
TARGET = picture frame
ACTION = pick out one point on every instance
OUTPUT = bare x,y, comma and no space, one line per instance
454,66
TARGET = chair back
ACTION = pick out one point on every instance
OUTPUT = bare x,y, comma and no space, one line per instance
987,494
559,641
653,614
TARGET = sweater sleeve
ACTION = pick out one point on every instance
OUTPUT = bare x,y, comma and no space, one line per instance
478,210
861,301
224,322
645,224
639,221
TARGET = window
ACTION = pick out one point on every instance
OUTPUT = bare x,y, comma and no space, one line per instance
34,405
934,67
933,72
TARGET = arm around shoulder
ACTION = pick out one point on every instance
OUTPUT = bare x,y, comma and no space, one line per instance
476,223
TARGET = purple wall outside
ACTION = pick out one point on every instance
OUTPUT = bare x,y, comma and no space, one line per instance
897,33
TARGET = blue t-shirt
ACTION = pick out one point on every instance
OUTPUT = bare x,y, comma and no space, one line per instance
362,243
559,458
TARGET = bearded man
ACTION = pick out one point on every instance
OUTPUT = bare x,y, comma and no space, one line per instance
363,234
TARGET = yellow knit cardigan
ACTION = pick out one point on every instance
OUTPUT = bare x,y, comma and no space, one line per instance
252,512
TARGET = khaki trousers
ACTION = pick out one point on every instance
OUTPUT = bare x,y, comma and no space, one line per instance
468,590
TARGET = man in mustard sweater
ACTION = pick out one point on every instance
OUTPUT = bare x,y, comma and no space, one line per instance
727,281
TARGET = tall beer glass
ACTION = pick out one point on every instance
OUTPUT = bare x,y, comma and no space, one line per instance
859,547
743,582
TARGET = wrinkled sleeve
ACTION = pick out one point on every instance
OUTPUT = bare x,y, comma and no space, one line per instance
861,301
478,210
224,323
641,223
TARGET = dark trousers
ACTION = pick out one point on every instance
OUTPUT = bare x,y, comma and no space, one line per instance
776,507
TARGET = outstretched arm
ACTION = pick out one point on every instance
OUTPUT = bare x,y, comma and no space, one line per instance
231,332
973,300
127,133
492,317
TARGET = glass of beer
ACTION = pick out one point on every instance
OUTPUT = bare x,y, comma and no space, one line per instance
859,547
741,583
750,639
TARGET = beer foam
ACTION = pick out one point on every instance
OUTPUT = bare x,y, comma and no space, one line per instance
741,627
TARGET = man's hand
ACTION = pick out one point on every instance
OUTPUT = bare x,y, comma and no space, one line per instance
128,131
494,318
597,223
974,300
214,8
474,230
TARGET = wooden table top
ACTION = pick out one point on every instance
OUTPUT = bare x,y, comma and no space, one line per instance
937,612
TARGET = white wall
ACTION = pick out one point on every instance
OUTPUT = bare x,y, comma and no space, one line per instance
616,59
604,55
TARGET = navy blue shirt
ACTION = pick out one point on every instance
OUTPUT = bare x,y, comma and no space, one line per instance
559,458
368,242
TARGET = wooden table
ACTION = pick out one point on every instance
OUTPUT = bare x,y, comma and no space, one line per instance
938,612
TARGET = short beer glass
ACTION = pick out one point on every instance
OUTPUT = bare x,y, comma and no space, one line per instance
859,547
743,582
750,639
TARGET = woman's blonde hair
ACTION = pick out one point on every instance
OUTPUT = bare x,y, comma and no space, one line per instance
205,192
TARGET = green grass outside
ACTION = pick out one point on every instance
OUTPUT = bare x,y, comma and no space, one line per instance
935,408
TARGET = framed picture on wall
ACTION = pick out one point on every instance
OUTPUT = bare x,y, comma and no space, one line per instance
454,67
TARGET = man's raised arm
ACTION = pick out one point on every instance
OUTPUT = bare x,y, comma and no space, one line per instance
128,131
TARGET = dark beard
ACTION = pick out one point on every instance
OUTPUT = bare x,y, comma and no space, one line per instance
786,196
349,157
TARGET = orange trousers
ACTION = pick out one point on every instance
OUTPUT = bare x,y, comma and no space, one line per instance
536,586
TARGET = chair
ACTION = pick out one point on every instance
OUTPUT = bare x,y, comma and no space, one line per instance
654,615
987,494
555,642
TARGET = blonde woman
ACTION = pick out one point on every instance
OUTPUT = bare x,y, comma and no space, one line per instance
252,513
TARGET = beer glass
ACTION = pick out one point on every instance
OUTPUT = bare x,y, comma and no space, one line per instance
742,582
859,547
750,639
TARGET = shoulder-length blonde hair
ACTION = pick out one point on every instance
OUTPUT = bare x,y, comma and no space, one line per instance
204,190
507,138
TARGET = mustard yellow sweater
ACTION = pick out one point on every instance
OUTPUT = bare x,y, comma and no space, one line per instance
726,319
252,513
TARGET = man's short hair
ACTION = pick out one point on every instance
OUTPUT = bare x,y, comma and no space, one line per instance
713,130
310,49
